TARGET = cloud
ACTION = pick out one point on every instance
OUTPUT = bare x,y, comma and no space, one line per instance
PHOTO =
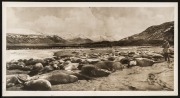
110,23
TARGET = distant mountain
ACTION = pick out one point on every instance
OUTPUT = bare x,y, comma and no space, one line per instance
80,40
156,32
43,39
33,39
152,36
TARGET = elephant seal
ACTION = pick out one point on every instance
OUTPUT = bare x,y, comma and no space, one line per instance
54,64
143,62
38,84
117,66
125,61
71,66
34,61
92,61
46,69
56,78
110,65
131,54
105,65
36,69
62,78
79,75
26,68
11,81
111,58
15,65
76,60
93,71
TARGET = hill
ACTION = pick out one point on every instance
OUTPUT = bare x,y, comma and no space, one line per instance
33,39
80,40
156,32
152,36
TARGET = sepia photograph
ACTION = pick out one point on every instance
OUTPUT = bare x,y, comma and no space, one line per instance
90,49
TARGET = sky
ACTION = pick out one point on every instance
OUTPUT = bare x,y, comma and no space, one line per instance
96,23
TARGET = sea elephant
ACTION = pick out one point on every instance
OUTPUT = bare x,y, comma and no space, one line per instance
144,62
57,78
110,65
105,65
11,81
36,69
118,66
125,61
71,66
61,78
92,60
39,84
46,69
77,74
93,71
14,65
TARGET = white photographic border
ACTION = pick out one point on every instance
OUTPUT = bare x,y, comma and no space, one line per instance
90,93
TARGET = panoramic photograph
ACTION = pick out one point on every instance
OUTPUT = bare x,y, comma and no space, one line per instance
89,48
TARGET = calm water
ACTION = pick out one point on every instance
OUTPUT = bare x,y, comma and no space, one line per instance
45,53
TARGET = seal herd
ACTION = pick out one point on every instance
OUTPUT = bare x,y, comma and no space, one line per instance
63,69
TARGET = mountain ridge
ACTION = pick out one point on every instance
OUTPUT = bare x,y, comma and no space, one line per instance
43,39
80,40
155,32
153,35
